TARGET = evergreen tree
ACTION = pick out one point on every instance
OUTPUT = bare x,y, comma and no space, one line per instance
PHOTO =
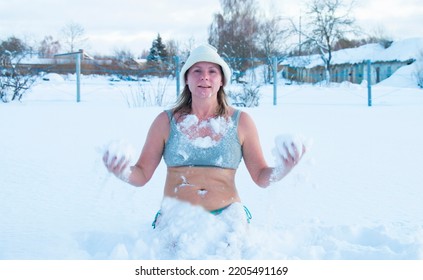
158,50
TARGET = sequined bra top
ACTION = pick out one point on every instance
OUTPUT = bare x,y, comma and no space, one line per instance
219,148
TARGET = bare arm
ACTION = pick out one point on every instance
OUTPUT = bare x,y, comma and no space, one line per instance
152,151
151,154
260,172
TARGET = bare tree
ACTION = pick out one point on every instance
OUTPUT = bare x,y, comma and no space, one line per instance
14,45
380,36
328,22
125,59
172,47
234,32
123,55
186,47
48,47
272,40
73,36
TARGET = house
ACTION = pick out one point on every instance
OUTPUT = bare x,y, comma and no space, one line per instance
352,64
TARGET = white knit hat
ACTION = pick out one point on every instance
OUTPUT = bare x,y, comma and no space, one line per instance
206,53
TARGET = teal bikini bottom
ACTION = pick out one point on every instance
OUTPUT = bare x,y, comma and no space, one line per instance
214,212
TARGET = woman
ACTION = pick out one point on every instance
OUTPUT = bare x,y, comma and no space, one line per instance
202,140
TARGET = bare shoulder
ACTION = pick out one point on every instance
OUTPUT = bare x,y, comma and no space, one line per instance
246,121
161,125
246,126
162,119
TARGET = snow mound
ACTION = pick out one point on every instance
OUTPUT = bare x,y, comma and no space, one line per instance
404,77
188,232
53,77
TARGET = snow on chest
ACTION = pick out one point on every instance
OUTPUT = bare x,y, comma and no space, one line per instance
204,133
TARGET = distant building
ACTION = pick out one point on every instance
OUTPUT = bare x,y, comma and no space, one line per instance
351,64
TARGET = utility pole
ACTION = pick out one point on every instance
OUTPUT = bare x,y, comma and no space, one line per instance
369,83
275,80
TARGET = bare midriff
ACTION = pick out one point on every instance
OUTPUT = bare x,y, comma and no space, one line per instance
210,187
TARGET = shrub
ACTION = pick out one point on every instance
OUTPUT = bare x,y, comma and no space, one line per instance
418,73
248,97
14,85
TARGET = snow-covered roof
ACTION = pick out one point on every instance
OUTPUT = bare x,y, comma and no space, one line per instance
402,50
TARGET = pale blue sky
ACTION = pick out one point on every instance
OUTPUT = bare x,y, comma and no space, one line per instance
133,24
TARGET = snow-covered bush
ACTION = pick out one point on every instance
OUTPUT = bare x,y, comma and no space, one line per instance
147,94
15,80
137,96
14,86
418,73
419,76
248,97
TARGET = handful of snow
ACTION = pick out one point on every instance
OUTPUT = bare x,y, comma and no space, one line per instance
121,150
123,153
285,144
285,147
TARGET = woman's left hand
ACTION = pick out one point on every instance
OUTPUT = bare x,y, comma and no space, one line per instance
292,154
288,151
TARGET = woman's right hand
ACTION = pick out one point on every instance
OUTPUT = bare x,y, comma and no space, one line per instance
117,159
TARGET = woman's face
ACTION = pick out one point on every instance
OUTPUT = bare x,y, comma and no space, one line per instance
204,79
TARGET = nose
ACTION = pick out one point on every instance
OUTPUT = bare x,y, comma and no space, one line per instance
205,76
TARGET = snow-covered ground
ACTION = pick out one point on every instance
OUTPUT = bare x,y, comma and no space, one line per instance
357,194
